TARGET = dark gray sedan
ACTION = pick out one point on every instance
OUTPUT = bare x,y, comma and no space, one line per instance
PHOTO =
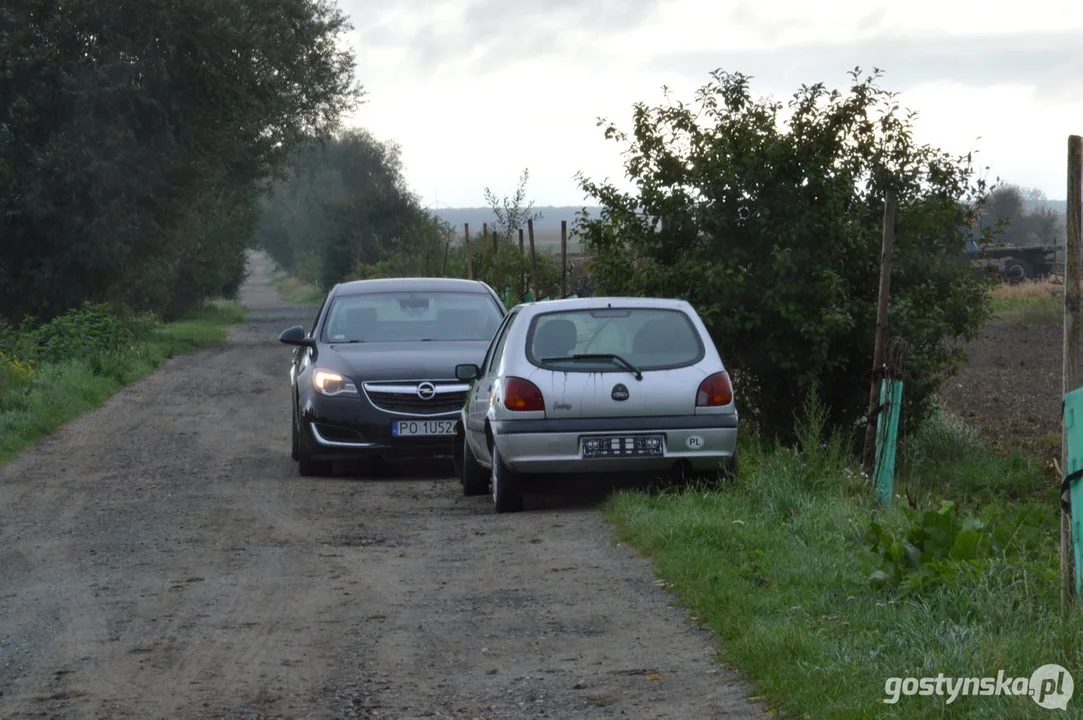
375,375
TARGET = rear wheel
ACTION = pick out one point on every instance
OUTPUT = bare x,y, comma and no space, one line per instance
307,466
507,486
473,476
1017,270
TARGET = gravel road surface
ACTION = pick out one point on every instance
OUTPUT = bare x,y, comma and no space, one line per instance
161,558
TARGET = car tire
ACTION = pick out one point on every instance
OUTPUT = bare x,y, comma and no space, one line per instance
295,438
507,486
307,466
475,480
1017,270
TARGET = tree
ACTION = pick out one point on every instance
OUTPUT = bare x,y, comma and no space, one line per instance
507,269
134,137
343,208
1023,216
769,223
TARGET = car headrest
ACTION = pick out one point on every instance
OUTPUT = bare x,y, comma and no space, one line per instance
555,338
459,322
658,336
359,323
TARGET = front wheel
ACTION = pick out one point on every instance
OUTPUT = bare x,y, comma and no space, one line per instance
307,466
295,438
507,486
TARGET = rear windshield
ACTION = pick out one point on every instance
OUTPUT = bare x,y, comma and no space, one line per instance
648,338
412,317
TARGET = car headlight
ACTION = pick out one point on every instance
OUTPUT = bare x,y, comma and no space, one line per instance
331,384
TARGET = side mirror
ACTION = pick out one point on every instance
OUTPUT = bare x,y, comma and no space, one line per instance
296,335
468,371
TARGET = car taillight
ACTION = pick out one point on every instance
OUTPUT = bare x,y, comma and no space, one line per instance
522,395
715,391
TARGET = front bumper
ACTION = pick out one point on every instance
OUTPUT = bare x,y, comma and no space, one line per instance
705,442
349,428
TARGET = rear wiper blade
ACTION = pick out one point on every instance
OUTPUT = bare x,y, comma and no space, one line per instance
598,356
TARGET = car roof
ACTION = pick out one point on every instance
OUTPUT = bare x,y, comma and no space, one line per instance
357,287
596,303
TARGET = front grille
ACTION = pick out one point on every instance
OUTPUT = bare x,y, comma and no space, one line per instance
402,397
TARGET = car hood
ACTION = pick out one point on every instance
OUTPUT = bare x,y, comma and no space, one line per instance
402,360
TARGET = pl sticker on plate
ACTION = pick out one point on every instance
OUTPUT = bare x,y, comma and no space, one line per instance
694,442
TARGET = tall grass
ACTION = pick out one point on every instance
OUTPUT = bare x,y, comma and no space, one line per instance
1031,302
776,565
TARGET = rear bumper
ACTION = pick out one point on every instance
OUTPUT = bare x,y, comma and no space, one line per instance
705,442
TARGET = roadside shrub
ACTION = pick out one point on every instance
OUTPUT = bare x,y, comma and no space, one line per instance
768,218
89,330
16,378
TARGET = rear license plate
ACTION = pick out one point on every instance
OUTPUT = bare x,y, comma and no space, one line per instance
410,428
624,446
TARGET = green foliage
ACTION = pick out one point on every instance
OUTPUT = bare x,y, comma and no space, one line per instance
942,547
771,225
135,138
1007,206
778,566
343,213
342,207
88,331
52,373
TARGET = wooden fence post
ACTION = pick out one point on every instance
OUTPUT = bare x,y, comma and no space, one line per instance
469,260
563,258
522,275
533,258
869,456
1070,362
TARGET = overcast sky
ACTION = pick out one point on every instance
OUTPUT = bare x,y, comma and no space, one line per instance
476,90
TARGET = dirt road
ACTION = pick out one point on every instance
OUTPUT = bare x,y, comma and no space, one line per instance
160,558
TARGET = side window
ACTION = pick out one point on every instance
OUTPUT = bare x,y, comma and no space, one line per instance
493,343
498,345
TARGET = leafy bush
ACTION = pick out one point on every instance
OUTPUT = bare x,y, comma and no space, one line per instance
90,330
943,547
771,225
16,377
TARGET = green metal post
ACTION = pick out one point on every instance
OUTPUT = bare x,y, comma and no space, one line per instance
887,433
1073,430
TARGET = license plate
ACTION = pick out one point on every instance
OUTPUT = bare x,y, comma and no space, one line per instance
409,428
624,446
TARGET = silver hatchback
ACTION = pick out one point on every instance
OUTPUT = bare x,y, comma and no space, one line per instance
595,385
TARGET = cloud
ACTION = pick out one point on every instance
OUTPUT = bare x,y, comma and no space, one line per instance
1050,63
478,37
475,90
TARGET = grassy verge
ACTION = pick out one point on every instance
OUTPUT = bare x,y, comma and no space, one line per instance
295,290
1030,302
54,373
782,567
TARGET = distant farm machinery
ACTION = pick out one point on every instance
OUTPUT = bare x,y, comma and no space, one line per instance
1013,263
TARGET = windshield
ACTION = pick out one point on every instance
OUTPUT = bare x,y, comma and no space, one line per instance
613,339
412,317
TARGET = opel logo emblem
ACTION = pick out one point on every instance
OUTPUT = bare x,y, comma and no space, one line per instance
426,391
